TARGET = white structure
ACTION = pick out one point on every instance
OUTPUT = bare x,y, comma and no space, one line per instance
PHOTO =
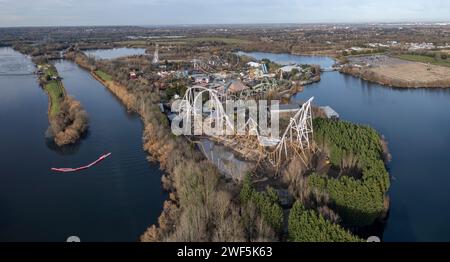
206,68
156,55
329,112
201,78
254,64
288,68
418,46
296,139
287,108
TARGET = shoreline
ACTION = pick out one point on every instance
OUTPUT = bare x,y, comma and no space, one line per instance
156,151
124,97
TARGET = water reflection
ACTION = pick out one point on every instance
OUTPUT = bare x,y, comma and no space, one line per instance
114,201
66,150
284,59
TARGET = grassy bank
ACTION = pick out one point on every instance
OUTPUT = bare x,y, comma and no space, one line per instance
104,76
127,98
55,91
53,86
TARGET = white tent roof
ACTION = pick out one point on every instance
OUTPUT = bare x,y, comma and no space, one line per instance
253,64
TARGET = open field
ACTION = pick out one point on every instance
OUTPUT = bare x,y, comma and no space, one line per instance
56,93
134,43
225,40
417,74
375,60
426,59
145,42
181,41
397,72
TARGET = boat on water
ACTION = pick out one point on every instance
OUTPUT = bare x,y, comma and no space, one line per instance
64,170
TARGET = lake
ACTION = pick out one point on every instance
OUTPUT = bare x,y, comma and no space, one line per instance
286,59
115,200
416,124
114,53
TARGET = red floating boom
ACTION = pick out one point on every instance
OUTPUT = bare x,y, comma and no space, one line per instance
83,167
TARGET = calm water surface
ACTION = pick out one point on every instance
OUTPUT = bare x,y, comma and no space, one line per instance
114,52
113,201
285,59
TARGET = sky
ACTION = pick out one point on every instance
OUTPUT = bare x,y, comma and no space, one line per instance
175,12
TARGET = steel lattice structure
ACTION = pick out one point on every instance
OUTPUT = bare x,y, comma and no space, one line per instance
213,64
296,139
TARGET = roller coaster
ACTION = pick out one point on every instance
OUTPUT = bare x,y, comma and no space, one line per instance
214,63
248,141
258,90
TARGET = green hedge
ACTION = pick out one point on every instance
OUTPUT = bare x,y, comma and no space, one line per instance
104,76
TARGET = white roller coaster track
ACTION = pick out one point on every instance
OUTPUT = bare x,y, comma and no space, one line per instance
204,67
208,66
265,86
297,137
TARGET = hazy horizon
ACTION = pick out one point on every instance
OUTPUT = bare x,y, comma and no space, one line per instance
238,24
228,12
